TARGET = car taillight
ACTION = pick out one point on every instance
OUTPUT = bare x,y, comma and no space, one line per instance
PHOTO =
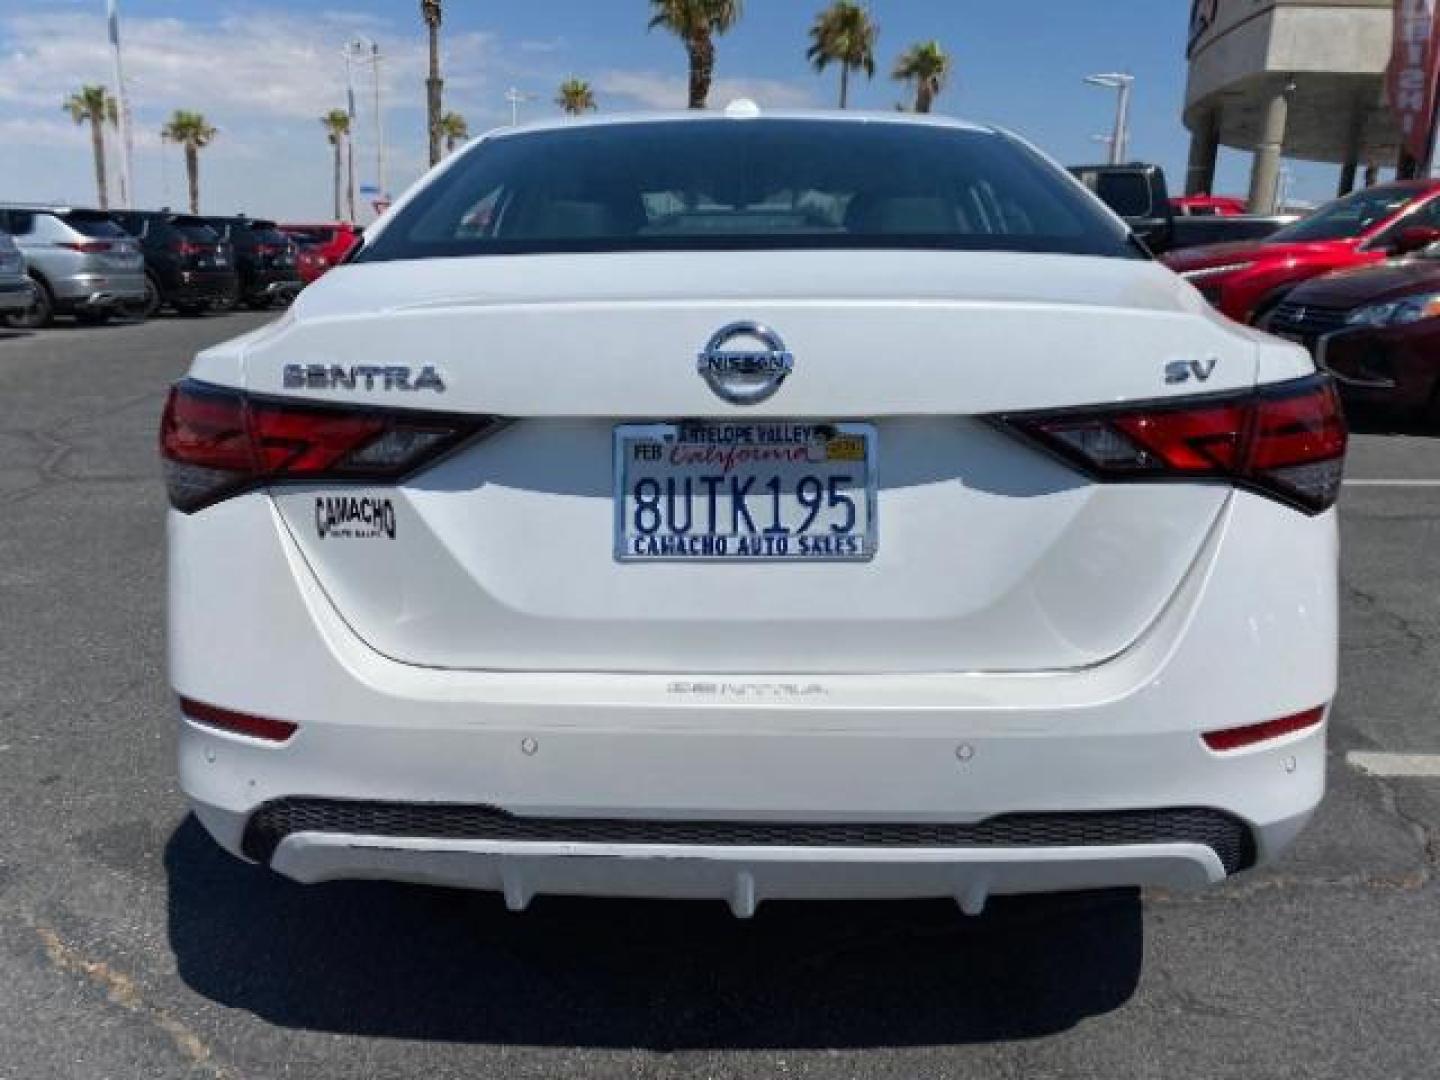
217,442
185,247
89,247
1286,441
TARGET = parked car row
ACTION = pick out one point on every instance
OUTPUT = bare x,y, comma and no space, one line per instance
95,264
1357,283
1138,194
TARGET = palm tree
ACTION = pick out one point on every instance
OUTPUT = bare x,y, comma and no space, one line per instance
697,23
92,105
927,66
431,13
190,130
844,34
337,131
455,130
576,97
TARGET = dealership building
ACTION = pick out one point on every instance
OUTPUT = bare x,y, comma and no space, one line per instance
1300,79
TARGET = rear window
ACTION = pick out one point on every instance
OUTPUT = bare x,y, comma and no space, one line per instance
1350,216
760,184
1127,193
195,229
93,224
311,236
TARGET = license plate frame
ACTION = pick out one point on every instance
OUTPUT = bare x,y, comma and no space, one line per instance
863,493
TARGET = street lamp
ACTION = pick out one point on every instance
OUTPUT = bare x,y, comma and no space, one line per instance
364,51
516,97
1120,147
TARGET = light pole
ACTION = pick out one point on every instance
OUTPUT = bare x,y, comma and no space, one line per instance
350,134
364,51
516,97
1120,147
122,108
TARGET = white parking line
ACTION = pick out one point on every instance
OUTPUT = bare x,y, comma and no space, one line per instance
1377,764
1393,483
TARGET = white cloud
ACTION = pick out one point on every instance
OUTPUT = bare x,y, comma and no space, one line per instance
26,131
263,74
656,90
260,62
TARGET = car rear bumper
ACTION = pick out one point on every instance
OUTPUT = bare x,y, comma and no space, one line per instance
1177,850
98,291
276,286
196,286
932,765
16,295
1391,368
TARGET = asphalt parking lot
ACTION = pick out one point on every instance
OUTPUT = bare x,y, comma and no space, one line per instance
131,947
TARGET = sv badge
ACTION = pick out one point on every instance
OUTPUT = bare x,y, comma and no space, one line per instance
1181,371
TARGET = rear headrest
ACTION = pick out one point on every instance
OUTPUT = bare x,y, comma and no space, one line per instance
573,218
900,215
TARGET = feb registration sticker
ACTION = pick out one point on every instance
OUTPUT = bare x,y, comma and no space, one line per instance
772,490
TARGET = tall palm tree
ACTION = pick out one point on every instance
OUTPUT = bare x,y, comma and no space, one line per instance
844,34
455,130
697,23
337,131
576,97
92,105
430,11
191,131
926,65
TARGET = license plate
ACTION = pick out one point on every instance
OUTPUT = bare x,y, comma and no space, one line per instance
768,490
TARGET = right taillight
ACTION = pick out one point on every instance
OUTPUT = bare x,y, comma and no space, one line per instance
1286,441
217,442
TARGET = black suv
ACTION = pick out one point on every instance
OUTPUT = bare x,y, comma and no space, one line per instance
187,265
264,257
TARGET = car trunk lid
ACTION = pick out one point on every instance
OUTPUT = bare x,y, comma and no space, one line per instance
990,555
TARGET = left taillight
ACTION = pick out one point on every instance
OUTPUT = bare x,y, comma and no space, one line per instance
216,442
1285,441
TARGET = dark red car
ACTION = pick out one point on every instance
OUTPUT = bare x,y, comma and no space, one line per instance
1246,280
321,245
1377,330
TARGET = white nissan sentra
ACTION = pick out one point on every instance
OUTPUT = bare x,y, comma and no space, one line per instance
753,506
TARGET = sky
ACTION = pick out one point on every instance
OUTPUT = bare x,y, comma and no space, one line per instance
263,72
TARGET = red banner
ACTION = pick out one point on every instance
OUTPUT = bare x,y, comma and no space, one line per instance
1413,68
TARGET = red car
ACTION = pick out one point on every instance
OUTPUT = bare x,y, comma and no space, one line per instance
320,246
1246,280
1377,330
1208,206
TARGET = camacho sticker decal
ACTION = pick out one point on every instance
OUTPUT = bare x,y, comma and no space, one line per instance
354,517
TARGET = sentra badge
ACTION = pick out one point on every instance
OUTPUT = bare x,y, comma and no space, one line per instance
362,377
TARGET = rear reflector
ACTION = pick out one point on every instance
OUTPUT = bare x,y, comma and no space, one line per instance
256,727
1241,737
1285,441
218,442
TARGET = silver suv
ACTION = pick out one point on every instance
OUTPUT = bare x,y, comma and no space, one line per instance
82,263
16,292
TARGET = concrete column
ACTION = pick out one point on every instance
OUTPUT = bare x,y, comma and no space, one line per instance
1204,146
1347,177
1266,170
1353,146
